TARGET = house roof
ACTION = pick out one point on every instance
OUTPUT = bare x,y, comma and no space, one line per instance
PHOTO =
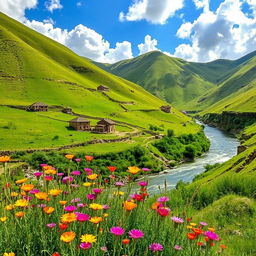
103,86
79,120
39,104
106,120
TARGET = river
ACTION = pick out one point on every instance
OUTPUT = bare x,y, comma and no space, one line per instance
223,147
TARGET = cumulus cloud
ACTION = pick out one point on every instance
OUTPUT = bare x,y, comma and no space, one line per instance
226,33
148,45
153,11
52,5
202,4
16,8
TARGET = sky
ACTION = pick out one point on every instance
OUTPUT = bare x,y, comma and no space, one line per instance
112,30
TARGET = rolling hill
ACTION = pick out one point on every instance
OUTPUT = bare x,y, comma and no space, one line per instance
35,68
193,86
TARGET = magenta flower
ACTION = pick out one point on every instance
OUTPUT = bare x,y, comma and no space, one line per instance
117,231
143,183
85,246
88,171
91,196
60,174
177,247
70,208
82,217
97,190
76,173
163,199
34,191
51,225
119,184
212,236
136,234
164,211
145,169
67,179
38,174
28,198
155,247
42,165
177,220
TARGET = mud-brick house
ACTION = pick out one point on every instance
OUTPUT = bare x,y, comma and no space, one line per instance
166,109
105,126
38,106
102,88
80,124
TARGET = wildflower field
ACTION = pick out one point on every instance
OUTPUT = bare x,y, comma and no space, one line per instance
80,212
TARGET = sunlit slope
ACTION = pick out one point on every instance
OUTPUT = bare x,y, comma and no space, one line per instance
167,77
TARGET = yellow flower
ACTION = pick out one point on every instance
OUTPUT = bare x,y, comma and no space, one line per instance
96,220
118,193
69,156
105,215
27,187
96,206
41,195
50,171
63,202
14,194
133,169
68,217
189,227
211,229
9,207
48,210
9,254
87,238
21,181
68,237
3,219
87,184
21,203
55,192
193,224
19,214
92,176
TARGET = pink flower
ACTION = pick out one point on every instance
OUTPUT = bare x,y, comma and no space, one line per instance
48,178
177,247
60,174
105,207
81,205
155,247
177,220
38,174
163,199
164,211
119,184
143,183
212,236
97,190
78,160
91,196
76,200
203,223
75,173
88,171
85,246
104,248
82,217
67,179
51,225
117,231
70,208
145,169
136,234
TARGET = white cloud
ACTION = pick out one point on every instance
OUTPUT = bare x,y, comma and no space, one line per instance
225,33
52,5
202,4
148,45
78,4
16,8
154,11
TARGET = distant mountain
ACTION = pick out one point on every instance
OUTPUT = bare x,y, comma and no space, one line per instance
187,85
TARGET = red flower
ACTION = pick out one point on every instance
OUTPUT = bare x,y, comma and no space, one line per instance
63,226
112,168
191,236
138,198
197,231
55,254
199,243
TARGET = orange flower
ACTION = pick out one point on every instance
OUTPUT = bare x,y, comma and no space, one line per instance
21,181
4,159
197,231
14,194
88,158
68,237
126,241
69,156
9,207
96,220
129,206
92,176
48,210
51,171
55,192
133,169
155,205
222,246
63,202
211,229
68,217
19,214
27,187
41,195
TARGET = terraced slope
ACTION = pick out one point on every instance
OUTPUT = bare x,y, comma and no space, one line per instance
35,68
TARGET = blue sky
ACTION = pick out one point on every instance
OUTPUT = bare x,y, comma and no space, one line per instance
197,30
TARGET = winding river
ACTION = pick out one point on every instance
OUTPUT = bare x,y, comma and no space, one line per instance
223,147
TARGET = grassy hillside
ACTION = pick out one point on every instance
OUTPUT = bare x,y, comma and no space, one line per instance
230,85
35,68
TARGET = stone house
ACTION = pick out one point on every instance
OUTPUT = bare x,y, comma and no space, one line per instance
102,88
38,106
80,124
105,126
166,109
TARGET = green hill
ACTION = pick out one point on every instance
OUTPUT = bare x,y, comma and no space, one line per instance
190,85
35,68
